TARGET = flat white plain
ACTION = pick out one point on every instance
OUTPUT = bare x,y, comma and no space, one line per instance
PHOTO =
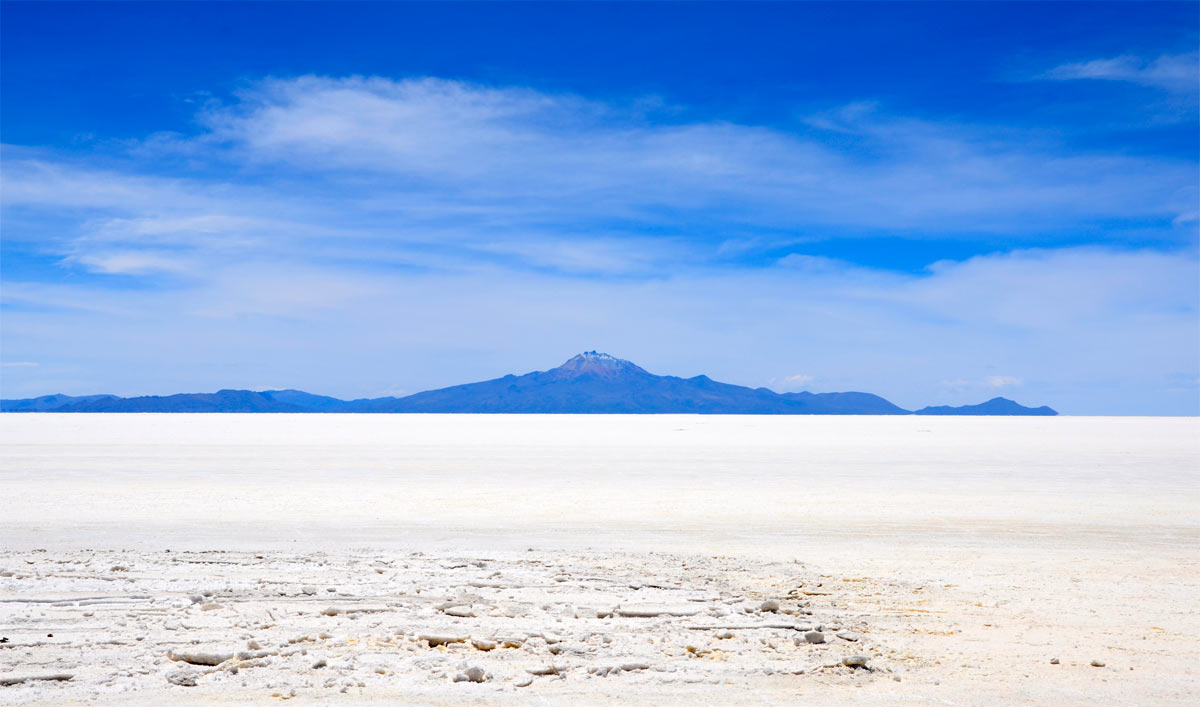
700,483
969,551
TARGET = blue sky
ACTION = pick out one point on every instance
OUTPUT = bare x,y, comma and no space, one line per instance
938,203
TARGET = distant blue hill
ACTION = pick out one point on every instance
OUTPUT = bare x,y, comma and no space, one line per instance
588,383
220,401
599,383
995,406
47,403
306,401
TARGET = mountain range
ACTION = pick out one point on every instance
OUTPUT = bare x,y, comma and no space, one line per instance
590,382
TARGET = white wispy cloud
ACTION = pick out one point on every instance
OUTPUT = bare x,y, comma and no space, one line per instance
1002,381
434,173
506,154
1173,72
527,155
131,263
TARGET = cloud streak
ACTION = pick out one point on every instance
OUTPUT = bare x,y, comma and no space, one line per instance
1003,381
426,171
1178,73
525,156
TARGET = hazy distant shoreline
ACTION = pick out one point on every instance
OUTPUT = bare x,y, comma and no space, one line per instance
588,383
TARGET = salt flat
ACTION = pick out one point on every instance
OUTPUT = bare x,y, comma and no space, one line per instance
960,554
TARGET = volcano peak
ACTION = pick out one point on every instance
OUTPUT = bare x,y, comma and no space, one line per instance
598,364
